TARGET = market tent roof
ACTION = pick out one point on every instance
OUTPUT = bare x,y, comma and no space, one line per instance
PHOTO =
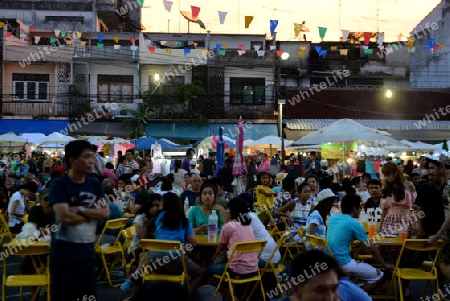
411,130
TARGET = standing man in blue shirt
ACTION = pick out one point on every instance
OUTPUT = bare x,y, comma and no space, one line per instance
312,165
78,201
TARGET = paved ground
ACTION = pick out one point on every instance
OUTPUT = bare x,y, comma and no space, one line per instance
106,293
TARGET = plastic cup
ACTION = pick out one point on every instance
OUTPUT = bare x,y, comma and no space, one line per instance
371,230
403,234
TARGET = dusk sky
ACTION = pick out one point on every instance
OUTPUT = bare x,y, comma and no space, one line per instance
395,16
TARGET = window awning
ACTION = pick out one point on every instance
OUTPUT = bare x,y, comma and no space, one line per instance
178,131
193,131
253,131
20,126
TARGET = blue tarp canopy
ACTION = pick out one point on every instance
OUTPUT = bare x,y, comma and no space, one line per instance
147,142
20,126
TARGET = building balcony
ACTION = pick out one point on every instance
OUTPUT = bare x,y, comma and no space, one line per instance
35,109
249,59
202,110
107,53
34,54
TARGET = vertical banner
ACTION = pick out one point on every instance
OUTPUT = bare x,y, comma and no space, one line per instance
195,10
322,32
168,5
248,21
273,26
222,16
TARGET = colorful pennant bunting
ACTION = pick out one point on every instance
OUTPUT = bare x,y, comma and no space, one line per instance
279,53
273,47
256,47
57,32
22,36
169,51
195,10
225,46
186,51
248,21
116,47
241,52
241,46
323,53
442,46
2,24
83,43
345,34
431,42
318,48
218,47
69,42
100,45
36,39
322,32
367,37
222,52
8,34
26,28
261,53
139,2
204,51
436,47
132,40
53,40
100,38
63,33
32,27
301,53
273,26
79,34
368,51
177,43
151,49
222,16
116,39
195,44
333,48
163,42
168,5
380,38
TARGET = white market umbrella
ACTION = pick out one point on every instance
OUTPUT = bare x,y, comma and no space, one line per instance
347,130
267,142
11,139
32,137
54,140
419,145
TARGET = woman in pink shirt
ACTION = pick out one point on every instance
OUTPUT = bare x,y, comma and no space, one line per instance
264,165
398,196
238,229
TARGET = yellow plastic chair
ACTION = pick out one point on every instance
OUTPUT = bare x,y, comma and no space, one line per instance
412,274
242,247
4,229
279,269
115,251
176,249
128,235
42,276
316,241
301,231
291,243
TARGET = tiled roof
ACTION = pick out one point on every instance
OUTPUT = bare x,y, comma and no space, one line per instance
380,124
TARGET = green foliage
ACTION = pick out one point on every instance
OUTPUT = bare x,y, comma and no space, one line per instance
190,91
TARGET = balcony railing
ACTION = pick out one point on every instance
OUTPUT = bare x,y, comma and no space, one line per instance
35,109
249,58
201,108
107,52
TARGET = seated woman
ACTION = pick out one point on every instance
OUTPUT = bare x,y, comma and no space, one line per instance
260,232
237,230
198,215
145,224
114,212
297,210
17,207
317,219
